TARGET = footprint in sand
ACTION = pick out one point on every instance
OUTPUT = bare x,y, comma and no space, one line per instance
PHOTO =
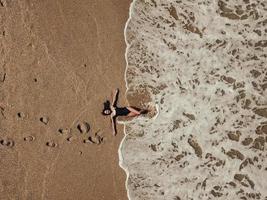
7,142
51,144
70,139
97,139
90,140
44,120
3,3
64,131
83,127
29,138
21,115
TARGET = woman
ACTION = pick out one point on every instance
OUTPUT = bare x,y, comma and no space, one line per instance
115,111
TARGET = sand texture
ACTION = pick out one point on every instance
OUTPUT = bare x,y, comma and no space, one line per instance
59,61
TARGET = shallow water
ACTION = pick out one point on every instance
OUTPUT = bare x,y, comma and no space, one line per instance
203,65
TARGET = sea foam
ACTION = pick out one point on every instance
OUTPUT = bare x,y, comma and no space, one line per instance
203,65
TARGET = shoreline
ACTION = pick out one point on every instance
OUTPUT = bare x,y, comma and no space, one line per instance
126,85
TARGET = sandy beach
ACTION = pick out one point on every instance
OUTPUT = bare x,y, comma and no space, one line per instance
59,61
198,67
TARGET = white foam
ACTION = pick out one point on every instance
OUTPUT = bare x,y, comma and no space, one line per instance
183,61
119,151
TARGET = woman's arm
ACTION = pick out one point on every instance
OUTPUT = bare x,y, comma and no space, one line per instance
114,128
115,97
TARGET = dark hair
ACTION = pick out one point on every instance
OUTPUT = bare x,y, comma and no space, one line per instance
106,107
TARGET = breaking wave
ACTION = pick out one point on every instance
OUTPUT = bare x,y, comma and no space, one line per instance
203,66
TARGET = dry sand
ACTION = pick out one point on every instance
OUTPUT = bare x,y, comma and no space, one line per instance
59,62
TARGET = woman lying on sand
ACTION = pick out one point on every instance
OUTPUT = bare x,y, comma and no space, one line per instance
115,111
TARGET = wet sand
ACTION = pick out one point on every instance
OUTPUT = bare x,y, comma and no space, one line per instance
59,61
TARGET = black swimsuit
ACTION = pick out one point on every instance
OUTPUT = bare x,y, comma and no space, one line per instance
122,111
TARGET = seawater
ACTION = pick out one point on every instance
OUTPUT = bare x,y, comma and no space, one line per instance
203,64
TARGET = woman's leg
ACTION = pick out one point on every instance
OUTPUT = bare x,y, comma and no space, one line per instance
136,112
131,114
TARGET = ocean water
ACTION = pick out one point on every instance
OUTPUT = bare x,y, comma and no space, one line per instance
203,64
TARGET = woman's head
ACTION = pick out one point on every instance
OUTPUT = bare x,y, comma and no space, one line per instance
106,110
